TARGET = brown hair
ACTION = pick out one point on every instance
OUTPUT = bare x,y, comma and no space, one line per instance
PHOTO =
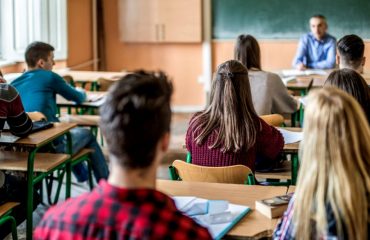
230,112
353,83
135,115
351,51
247,51
36,51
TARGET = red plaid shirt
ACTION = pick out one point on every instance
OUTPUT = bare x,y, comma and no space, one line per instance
109,212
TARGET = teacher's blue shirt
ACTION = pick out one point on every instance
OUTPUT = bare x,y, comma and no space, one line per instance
313,53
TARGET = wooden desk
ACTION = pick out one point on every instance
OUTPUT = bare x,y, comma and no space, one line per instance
253,224
34,142
92,77
98,97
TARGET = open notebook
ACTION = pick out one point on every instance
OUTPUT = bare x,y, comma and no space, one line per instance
218,216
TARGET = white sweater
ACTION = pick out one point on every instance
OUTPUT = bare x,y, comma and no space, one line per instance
269,94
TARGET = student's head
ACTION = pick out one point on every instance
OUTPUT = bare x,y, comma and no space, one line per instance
40,55
135,119
247,51
354,84
335,163
318,26
230,111
351,52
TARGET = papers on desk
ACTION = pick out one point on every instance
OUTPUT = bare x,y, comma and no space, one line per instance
290,136
303,100
287,79
7,137
94,97
295,72
218,216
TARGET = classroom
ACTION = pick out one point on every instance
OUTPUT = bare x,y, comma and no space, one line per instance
184,119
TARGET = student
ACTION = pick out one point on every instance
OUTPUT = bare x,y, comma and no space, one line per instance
12,186
354,84
38,87
332,197
269,94
317,48
136,121
229,132
351,50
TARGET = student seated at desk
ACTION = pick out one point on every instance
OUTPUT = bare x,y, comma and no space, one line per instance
38,87
351,50
354,84
269,94
12,186
317,48
229,132
332,197
136,121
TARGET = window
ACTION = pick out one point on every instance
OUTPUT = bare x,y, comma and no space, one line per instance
25,21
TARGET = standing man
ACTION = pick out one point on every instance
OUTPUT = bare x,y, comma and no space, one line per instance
316,49
136,121
38,87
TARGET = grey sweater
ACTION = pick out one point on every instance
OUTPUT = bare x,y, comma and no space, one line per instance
269,94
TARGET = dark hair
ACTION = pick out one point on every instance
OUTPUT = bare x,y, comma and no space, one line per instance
135,115
354,84
36,51
247,51
230,112
351,50
320,16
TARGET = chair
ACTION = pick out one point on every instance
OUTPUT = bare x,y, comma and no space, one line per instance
5,210
238,174
275,120
104,84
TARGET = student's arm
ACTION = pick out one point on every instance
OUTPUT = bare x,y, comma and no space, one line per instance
329,62
70,93
285,228
269,144
282,101
19,122
300,56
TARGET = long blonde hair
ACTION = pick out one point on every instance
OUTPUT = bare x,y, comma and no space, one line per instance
231,112
335,167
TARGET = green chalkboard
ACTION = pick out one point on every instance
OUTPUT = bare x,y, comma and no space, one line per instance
288,19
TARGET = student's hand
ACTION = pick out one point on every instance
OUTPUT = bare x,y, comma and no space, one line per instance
2,80
301,66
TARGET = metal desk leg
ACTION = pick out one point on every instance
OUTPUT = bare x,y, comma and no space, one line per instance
31,159
68,166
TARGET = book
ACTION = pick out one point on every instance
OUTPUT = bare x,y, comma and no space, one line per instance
273,207
295,72
218,216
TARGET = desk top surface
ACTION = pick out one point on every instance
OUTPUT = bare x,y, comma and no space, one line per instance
43,137
94,99
253,224
91,76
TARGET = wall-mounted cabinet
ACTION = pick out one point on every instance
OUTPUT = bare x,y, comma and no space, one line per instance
164,21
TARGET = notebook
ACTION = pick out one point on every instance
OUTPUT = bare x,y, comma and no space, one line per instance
295,72
290,136
218,216
7,137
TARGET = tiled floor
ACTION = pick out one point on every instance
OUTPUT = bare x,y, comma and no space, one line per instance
176,151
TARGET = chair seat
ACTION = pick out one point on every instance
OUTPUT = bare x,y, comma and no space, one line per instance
81,153
6,207
44,162
82,120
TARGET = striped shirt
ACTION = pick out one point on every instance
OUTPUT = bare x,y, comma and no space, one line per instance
12,111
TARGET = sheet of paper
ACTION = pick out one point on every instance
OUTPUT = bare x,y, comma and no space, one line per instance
295,72
287,79
233,213
7,137
290,136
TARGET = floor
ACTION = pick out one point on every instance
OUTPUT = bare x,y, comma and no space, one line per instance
176,151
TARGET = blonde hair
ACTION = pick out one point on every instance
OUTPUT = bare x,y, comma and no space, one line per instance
335,167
